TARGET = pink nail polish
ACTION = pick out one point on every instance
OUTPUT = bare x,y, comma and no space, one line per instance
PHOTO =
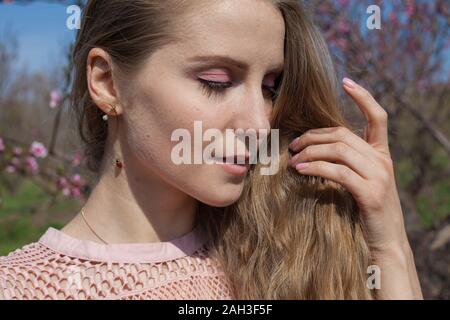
293,159
301,165
349,83
291,145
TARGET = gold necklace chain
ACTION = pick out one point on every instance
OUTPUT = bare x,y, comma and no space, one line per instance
92,229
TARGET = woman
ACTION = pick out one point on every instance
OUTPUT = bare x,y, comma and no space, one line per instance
154,229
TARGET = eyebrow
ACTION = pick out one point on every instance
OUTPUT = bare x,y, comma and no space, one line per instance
230,61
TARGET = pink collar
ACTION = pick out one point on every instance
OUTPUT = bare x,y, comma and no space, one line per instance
122,252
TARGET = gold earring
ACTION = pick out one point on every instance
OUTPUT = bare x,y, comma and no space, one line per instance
105,116
117,162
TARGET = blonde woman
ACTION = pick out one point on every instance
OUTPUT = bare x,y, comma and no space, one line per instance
153,229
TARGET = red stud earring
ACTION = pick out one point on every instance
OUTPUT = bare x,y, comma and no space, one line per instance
119,164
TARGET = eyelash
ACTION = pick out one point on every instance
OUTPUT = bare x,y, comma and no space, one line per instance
213,88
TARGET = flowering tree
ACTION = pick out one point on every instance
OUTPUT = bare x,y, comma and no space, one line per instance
405,65
58,173
32,161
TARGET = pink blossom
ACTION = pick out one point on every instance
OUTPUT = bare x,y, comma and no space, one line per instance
343,26
55,98
2,145
62,182
32,164
38,150
66,192
76,192
393,17
10,169
76,179
410,9
17,151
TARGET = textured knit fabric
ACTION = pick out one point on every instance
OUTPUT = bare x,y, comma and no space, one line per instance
59,266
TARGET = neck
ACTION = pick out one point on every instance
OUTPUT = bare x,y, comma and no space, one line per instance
133,205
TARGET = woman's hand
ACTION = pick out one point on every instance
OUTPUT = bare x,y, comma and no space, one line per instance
364,167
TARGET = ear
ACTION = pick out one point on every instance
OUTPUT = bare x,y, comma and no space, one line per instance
100,80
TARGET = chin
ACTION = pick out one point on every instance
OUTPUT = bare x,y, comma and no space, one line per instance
223,195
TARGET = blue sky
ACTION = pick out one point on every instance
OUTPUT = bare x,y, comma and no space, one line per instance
41,32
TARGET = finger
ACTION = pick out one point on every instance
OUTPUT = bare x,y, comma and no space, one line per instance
377,132
338,173
330,135
337,152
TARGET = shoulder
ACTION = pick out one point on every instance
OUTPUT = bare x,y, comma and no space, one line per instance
37,271
22,270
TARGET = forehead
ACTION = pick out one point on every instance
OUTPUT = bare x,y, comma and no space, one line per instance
251,31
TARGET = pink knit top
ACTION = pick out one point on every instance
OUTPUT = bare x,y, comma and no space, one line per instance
59,266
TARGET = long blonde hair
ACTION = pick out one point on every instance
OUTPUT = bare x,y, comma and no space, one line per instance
288,236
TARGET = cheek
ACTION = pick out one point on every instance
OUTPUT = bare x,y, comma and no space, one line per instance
206,183
150,122
157,111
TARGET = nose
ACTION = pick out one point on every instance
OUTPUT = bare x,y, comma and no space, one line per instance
253,110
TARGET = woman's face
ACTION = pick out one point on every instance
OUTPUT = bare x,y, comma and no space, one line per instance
167,94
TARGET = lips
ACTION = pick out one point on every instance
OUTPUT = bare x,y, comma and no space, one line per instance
241,160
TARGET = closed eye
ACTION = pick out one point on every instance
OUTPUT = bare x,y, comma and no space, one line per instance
214,88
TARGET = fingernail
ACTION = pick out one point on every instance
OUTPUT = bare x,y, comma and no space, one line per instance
349,83
291,145
301,166
293,159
